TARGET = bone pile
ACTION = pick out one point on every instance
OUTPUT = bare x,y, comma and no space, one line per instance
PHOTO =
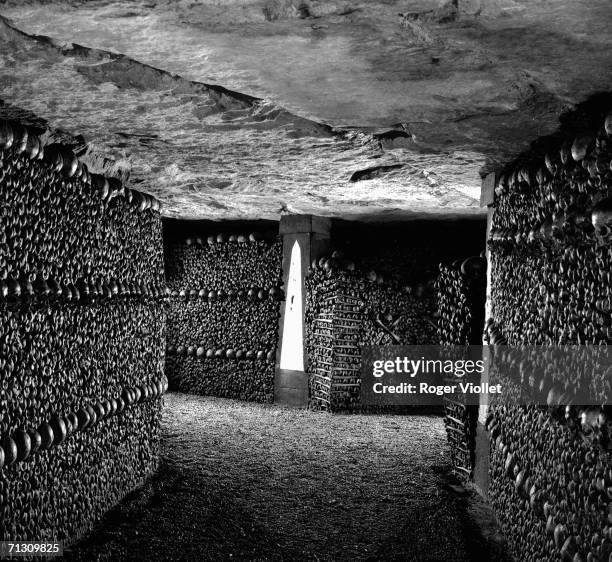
82,325
224,314
551,253
348,308
460,292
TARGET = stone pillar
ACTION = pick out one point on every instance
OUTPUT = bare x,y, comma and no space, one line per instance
312,237
481,464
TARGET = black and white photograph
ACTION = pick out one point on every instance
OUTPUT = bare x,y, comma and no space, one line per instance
306,280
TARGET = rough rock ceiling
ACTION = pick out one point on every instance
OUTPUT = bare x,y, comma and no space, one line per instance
348,108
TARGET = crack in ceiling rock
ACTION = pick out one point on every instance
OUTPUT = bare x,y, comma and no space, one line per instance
374,172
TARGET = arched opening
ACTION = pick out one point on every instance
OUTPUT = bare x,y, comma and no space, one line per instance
292,350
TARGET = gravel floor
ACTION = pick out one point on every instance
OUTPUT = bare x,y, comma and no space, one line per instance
242,481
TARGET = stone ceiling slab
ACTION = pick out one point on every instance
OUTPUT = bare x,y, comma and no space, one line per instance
462,85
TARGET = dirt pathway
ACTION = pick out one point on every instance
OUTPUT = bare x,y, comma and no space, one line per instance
241,481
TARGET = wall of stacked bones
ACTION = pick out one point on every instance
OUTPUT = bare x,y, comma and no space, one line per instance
385,296
460,301
81,339
223,322
551,253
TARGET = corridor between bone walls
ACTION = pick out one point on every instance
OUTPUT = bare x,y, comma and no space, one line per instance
102,306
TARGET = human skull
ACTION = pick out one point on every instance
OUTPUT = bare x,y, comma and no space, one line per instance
601,217
608,124
581,146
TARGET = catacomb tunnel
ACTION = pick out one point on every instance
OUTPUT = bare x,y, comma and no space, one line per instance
319,280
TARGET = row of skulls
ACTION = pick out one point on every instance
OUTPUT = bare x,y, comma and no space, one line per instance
558,378
61,222
60,158
13,290
222,353
252,293
338,263
222,238
21,443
